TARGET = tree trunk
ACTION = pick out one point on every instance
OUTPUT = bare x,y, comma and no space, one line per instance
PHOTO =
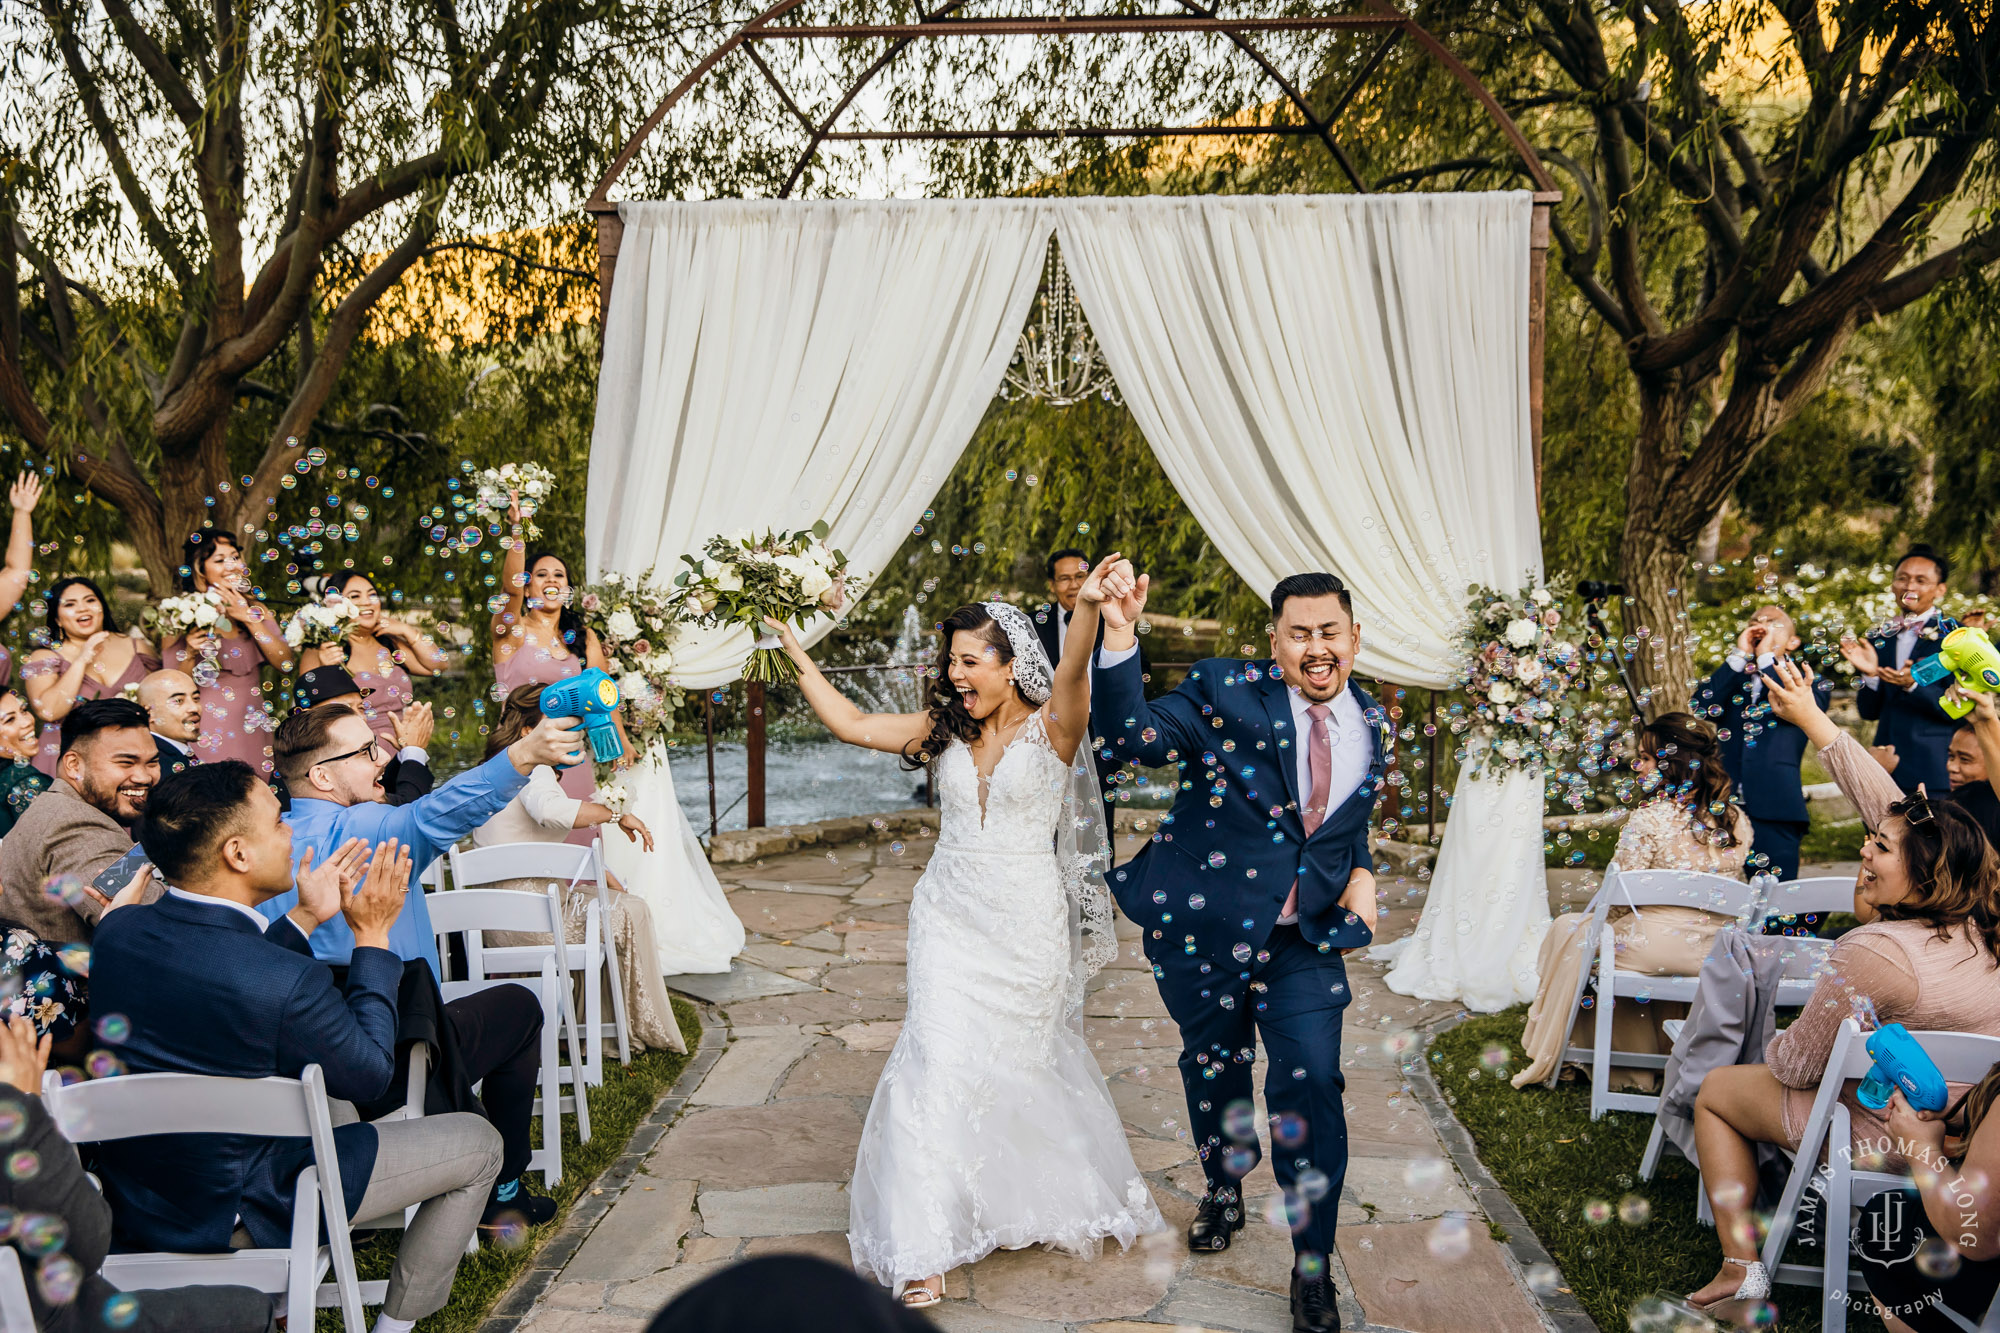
1656,576
190,497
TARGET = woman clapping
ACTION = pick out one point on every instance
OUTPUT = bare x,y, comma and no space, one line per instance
90,659
382,652
234,722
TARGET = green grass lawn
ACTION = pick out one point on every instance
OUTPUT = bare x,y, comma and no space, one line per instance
627,1097
1617,1239
1831,842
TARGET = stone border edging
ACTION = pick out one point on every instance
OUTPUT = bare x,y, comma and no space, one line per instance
590,1207
1560,1310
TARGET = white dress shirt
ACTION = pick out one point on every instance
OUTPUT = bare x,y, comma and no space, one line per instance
178,745
1906,647
1062,633
255,916
1765,661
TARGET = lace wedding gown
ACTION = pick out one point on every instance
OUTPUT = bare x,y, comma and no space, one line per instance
991,1127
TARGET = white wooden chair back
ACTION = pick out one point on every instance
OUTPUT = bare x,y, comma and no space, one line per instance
1801,897
16,1314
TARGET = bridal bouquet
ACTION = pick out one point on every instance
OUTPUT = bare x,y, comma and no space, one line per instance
171,617
743,578
1520,658
317,624
531,482
636,620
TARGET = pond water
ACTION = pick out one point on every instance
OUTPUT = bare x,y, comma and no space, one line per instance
803,781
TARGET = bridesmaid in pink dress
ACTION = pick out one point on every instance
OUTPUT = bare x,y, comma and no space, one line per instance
234,721
382,652
91,660
24,494
538,640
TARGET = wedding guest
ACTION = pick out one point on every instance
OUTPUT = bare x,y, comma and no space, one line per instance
235,723
82,824
1066,570
173,710
382,652
209,986
23,496
1970,762
1907,717
1761,751
91,659
58,1188
781,1293
408,775
20,781
541,812
1686,822
1928,897
539,639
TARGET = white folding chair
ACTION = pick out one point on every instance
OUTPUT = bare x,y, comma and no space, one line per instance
1962,1057
594,962
16,1315
473,911
143,1104
1636,889
432,877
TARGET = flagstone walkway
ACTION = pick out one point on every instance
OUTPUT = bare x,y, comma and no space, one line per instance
757,1163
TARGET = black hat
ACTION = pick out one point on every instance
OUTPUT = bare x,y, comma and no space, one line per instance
322,683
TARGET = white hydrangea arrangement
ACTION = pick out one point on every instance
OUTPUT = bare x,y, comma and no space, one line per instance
745,577
531,482
636,621
1521,657
171,617
326,621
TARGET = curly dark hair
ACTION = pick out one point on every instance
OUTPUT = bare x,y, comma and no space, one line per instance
569,622
949,719
1953,869
52,599
1691,771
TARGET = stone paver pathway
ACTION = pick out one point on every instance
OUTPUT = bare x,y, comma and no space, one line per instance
758,1161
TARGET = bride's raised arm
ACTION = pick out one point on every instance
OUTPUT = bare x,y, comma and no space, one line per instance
895,733
1068,718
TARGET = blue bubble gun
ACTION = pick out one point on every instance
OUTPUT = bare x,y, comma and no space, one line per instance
1901,1063
592,696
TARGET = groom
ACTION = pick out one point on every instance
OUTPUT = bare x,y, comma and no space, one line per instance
1255,885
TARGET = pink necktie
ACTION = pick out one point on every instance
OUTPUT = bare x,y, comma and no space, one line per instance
1319,759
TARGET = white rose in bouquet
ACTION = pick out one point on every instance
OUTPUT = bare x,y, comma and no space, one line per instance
205,616
622,624
1500,692
815,582
728,578
1521,633
1540,597
1527,669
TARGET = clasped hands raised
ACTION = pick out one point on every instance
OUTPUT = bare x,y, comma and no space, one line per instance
1116,590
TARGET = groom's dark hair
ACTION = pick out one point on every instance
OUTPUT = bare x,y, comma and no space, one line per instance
1310,585
1067,553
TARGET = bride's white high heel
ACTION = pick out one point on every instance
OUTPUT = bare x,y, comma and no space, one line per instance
917,1296
1756,1284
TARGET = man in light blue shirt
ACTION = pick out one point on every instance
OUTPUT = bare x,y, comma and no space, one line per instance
332,762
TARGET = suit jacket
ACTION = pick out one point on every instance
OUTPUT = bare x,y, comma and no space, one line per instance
1235,837
173,759
206,992
426,826
1760,750
60,834
1910,720
1048,628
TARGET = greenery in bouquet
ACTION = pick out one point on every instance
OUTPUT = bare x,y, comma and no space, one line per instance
183,614
746,578
317,624
1522,658
636,621
497,487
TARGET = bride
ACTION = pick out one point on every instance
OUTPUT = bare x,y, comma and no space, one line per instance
991,1127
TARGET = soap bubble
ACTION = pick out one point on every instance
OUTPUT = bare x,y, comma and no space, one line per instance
1635,1210
24,1165
1216,860
1494,1056
42,1233
12,1120
103,1064
1240,952
113,1029
1937,1259
1288,1129
1197,901
1596,1212
1450,1239
1239,1121
59,1277
67,890
121,1311
1543,1279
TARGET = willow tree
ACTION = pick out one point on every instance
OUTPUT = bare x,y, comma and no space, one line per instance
202,206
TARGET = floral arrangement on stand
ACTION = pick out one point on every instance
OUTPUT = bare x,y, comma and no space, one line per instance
531,482
746,577
1521,657
181,616
317,624
636,621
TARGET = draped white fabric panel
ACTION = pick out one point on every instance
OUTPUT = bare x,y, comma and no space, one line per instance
1332,382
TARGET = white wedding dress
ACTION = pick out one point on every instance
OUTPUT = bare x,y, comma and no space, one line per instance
991,1127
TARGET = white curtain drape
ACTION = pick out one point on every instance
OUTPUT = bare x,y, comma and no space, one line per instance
768,366
1330,382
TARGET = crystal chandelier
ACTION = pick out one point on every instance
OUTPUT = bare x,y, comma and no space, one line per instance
1058,361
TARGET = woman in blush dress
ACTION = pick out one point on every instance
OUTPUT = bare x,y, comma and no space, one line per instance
539,639
91,659
382,652
227,662
24,494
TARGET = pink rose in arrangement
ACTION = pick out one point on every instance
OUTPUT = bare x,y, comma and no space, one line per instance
591,602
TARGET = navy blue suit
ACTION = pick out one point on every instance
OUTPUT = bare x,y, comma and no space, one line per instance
1911,720
1762,752
206,993
1207,892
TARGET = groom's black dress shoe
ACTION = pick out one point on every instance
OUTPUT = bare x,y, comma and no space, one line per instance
1313,1308
1219,1218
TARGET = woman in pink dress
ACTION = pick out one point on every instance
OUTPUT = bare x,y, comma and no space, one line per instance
24,494
91,659
228,662
539,639
382,652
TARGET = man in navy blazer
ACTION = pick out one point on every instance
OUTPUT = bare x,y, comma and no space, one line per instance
1907,716
1761,750
207,986
1255,885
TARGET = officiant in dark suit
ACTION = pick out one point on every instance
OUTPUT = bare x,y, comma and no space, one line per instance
1067,569
173,710
1908,718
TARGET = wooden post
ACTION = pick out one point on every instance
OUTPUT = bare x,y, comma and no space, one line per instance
1538,315
610,231
753,703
